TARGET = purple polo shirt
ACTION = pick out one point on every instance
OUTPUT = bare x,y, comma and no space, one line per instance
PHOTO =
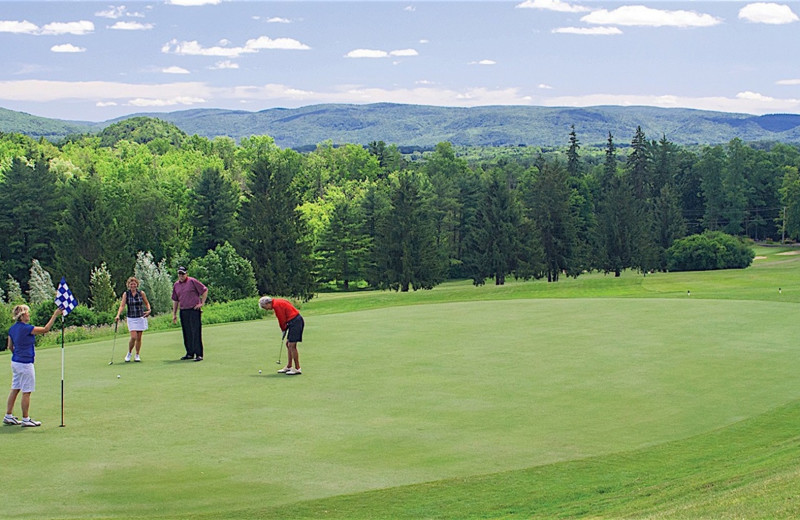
187,293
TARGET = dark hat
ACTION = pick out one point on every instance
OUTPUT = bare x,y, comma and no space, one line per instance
181,270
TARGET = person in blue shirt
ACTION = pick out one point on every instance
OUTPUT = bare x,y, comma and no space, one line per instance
22,343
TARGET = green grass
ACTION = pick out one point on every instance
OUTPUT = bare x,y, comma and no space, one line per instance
596,397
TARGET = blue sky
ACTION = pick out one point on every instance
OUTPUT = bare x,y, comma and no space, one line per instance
95,61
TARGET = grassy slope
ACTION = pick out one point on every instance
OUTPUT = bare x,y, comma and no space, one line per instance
180,440
747,470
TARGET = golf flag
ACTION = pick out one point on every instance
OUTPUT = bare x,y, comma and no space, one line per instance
64,298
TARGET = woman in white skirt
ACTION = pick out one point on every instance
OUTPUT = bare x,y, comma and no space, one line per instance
138,311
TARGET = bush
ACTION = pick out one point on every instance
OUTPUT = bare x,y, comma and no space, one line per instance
708,251
227,275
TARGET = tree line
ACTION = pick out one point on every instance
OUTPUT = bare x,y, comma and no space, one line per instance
255,218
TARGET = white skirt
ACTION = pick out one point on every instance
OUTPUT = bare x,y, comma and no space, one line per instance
136,324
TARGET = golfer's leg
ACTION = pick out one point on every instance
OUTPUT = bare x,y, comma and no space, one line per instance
26,403
186,327
12,398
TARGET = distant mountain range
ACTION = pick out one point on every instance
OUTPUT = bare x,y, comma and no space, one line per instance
425,126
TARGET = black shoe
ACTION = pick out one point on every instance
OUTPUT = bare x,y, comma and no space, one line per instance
187,356
199,358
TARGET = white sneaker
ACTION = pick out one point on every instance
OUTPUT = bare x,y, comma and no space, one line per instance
137,358
30,422
128,358
294,372
284,370
10,419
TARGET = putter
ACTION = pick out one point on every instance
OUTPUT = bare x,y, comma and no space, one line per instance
114,345
280,350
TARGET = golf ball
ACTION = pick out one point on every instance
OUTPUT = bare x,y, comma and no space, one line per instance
118,376
259,371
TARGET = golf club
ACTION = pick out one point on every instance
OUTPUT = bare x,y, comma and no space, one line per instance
114,344
280,350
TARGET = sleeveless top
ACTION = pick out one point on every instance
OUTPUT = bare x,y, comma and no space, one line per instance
135,304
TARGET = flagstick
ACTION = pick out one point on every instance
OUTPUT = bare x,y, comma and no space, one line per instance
62,370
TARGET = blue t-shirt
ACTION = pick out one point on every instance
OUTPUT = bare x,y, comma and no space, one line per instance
22,337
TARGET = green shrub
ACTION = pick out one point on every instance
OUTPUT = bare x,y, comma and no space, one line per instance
227,275
708,251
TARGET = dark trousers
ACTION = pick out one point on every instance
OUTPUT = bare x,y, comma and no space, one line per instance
192,326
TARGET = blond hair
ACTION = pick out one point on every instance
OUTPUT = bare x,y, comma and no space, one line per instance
19,310
132,279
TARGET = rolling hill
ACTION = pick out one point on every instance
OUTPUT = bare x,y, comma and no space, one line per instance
424,126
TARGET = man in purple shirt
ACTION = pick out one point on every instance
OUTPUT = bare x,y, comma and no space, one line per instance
190,295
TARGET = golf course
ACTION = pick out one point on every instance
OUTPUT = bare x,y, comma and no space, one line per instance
671,395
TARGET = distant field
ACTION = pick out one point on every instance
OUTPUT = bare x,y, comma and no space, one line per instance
667,396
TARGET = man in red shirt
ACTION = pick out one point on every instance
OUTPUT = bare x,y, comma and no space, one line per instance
290,321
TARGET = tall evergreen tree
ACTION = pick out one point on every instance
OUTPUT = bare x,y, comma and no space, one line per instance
274,236
734,188
30,205
554,219
444,170
498,245
711,168
215,202
407,241
89,233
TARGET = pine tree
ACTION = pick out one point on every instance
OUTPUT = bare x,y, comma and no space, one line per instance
553,218
215,202
30,202
275,239
407,243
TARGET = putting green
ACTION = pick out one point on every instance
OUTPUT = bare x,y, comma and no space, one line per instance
388,397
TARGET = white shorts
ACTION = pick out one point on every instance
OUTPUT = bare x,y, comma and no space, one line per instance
136,324
23,377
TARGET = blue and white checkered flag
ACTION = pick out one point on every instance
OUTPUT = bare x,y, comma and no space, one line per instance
64,298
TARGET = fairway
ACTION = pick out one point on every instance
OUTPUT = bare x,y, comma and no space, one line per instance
388,397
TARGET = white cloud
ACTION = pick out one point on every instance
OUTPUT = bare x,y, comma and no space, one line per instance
174,70
51,29
112,12
376,53
225,64
165,102
77,28
589,31
404,52
483,62
409,8
192,3
17,27
544,86
788,82
278,19
553,5
132,26
193,48
639,15
366,53
769,13
106,104
67,47
265,42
